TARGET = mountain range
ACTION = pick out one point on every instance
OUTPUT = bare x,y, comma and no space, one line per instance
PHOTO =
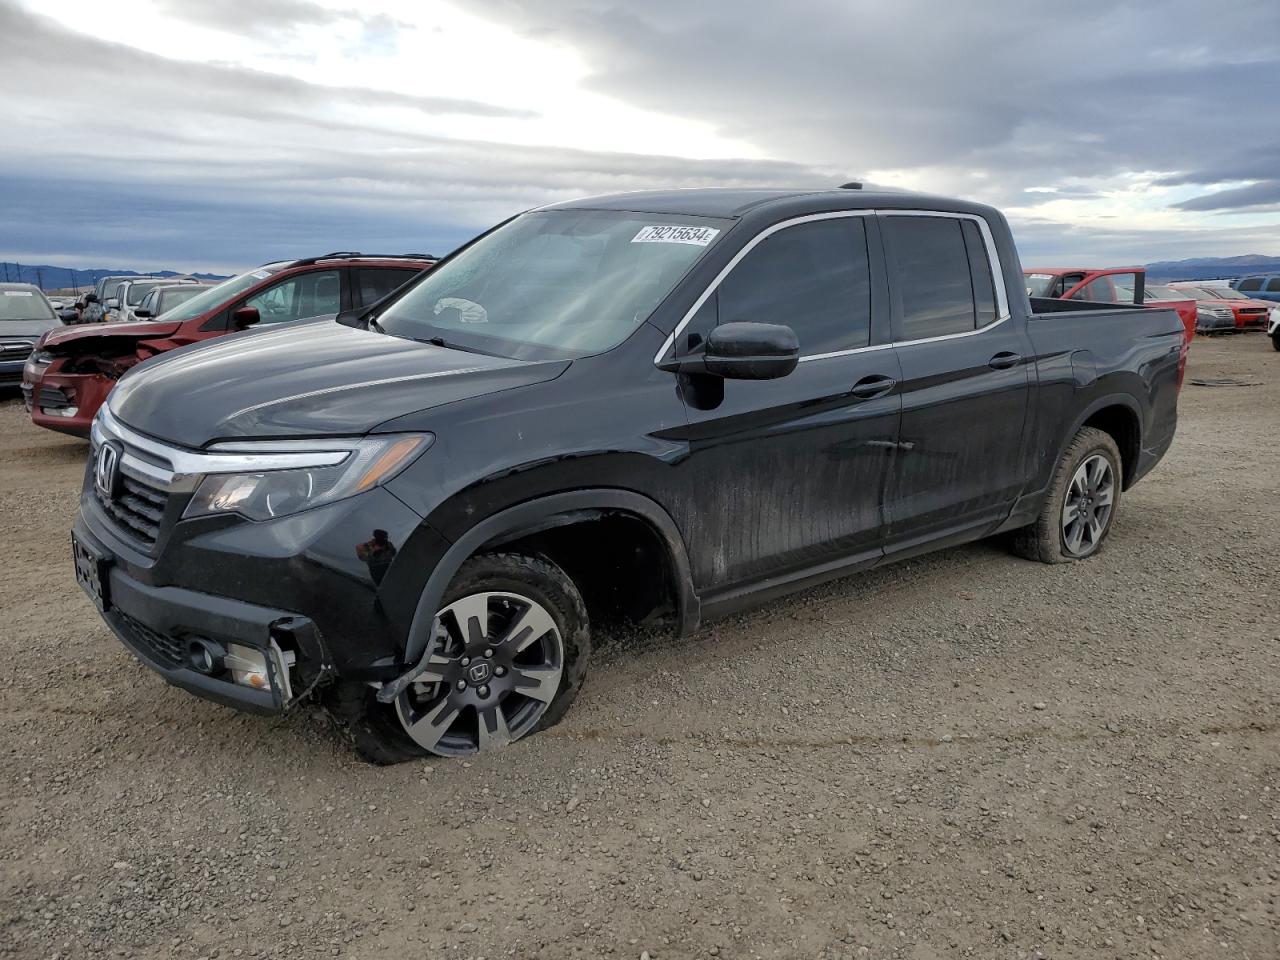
49,277
1210,268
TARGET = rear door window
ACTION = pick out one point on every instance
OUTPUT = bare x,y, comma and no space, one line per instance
1273,285
932,280
374,283
1252,283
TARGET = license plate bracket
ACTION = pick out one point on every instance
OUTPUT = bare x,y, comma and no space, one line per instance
92,573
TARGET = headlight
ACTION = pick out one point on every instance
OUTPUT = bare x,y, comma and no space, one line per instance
275,490
36,363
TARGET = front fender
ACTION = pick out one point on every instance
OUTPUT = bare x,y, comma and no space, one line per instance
531,517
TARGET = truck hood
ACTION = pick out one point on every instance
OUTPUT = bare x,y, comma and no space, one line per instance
64,340
309,379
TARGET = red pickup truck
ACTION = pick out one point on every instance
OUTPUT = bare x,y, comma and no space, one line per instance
71,370
1114,285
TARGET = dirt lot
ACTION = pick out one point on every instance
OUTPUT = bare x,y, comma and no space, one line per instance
965,755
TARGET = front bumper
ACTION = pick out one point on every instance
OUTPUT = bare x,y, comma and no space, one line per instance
11,372
65,402
158,625
297,582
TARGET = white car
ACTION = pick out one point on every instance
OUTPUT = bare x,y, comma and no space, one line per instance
130,294
1273,327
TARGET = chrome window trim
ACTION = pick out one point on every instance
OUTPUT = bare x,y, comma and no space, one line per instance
171,467
993,259
737,258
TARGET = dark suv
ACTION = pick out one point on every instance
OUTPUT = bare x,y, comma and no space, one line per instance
662,405
72,371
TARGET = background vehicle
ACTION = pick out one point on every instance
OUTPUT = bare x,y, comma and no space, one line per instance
95,303
1160,295
25,314
166,297
623,407
129,296
1266,287
72,371
1116,285
1245,313
1273,327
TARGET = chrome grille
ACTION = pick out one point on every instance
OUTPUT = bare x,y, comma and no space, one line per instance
15,349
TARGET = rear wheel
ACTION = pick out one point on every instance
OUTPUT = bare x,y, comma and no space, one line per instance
508,654
1081,504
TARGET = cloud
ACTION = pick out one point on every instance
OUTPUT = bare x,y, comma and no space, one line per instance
1264,194
1107,119
987,99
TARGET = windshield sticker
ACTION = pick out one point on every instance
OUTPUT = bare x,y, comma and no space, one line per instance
260,274
18,293
697,236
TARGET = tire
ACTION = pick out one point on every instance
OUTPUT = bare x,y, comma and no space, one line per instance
520,670
1275,340
1052,539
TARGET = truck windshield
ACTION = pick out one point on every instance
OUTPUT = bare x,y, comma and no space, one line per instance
553,284
211,297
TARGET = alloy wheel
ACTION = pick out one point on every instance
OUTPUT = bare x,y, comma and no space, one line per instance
494,669
1088,505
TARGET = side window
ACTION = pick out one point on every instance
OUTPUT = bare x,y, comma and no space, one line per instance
984,287
813,277
297,297
1251,283
151,302
1273,285
1099,290
930,266
374,284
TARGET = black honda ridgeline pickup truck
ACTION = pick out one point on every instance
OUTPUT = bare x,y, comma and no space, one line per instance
655,405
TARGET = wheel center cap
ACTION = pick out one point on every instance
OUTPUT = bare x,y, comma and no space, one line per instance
480,672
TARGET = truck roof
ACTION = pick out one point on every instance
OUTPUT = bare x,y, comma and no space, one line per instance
733,202
1057,270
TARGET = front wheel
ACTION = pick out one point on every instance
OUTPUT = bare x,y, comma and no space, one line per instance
1275,339
1081,504
508,655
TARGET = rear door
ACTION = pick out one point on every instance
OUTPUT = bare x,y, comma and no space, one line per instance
786,474
961,459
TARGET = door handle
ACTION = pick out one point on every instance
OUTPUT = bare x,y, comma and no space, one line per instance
869,388
1004,360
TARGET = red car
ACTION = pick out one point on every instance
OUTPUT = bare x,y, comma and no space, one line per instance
1249,314
1115,285
72,370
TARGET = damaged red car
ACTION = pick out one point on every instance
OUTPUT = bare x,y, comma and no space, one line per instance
71,371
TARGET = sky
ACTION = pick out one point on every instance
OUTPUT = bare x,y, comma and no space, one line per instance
153,134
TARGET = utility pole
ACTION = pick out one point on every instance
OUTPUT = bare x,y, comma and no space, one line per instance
19,267
40,278
6,271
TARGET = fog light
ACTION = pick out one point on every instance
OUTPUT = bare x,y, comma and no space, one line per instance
206,656
60,411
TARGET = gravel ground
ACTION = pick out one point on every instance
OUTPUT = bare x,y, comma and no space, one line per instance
963,755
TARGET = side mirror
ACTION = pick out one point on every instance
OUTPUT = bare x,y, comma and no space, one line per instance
90,298
744,351
245,317
142,313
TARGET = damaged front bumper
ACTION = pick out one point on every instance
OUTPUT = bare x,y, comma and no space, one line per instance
234,653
